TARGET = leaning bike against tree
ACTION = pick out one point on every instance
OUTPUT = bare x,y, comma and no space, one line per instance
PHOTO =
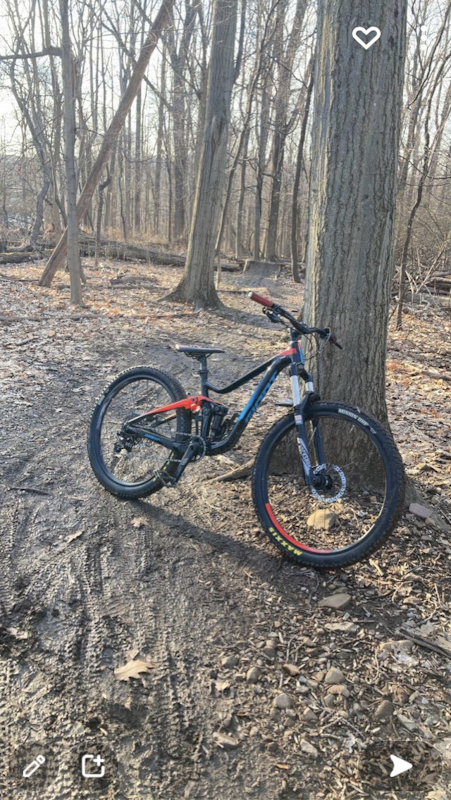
328,480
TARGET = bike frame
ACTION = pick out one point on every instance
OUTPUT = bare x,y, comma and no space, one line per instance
292,357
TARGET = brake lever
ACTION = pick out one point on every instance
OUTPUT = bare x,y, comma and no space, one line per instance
272,316
332,339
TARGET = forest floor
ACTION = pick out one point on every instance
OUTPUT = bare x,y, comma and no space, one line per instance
186,581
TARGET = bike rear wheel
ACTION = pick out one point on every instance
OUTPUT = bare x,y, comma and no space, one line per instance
133,465
362,492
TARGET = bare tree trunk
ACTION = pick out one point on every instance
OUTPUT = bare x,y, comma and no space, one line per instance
73,251
102,188
197,285
240,249
138,165
358,96
178,60
297,180
285,59
262,140
111,137
158,160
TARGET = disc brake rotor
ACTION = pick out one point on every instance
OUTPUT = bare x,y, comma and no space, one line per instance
328,468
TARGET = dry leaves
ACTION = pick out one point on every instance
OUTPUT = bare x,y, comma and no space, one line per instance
133,669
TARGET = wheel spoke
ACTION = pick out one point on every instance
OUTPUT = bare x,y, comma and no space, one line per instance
354,468
122,459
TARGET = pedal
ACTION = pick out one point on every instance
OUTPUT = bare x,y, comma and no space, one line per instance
167,480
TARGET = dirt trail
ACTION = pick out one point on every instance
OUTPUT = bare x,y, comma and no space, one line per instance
186,579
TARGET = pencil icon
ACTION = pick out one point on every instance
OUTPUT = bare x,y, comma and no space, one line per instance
33,766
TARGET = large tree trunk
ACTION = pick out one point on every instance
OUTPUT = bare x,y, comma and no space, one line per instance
111,137
197,285
358,95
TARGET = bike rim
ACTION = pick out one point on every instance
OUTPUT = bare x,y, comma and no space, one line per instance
347,511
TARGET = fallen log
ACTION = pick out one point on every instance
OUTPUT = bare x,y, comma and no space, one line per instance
20,258
440,285
133,252
122,251
130,252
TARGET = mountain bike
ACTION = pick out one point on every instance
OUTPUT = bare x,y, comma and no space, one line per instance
328,481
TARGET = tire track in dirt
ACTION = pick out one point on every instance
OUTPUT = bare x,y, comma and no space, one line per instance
117,588
5,726
169,702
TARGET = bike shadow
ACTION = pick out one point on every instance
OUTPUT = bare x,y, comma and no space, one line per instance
260,559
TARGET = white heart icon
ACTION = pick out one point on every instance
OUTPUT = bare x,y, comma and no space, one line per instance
376,35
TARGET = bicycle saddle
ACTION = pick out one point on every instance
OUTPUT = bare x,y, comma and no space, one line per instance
197,352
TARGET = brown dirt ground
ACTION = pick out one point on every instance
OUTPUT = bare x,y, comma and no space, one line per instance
187,579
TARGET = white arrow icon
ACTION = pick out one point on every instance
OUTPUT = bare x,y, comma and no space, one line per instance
399,766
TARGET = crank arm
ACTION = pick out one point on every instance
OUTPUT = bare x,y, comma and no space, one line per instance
190,453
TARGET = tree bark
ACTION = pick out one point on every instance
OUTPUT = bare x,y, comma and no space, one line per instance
111,137
285,58
297,179
197,285
262,141
350,262
159,156
73,252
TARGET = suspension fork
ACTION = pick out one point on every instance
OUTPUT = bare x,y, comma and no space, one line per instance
299,405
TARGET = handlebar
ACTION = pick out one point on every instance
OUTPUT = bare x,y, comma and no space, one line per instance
276,311
264,301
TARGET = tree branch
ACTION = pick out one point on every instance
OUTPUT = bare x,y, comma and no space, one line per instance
48,51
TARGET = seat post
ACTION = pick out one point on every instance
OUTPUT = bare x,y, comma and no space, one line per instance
203,372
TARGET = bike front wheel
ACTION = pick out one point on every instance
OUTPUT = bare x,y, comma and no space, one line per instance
359,494
132,464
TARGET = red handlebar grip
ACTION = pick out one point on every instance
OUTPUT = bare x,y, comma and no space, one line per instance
264,301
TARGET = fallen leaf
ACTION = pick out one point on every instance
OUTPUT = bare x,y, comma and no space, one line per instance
226,742
74,536
139,522
222,686
132,669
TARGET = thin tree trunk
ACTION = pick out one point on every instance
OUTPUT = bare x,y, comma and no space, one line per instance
263,135
158,160
111,137
297,179
102,188
240,249
73,250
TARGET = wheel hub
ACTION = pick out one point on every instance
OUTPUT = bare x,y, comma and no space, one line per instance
328,478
